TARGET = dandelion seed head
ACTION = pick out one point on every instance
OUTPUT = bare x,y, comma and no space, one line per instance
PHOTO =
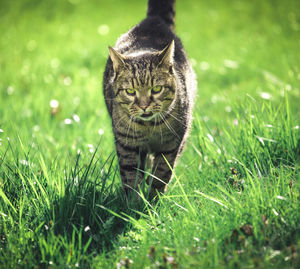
76,100
228,109
100,131
84,72
91,148
204,66
67,81
54,103
205,118
288,87
103,29
55,63
10,90
193,62
36,128
1,131
231,64
265,95
31,45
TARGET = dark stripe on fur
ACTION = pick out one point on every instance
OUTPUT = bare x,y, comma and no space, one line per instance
169,151
127,135
171,89
118,91
165,9
127,167
140,122
128,148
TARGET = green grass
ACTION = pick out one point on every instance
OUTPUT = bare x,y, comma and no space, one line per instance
234,198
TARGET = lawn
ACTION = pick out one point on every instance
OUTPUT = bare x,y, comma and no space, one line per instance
235,194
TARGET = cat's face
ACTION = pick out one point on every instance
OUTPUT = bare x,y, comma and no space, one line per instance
145,85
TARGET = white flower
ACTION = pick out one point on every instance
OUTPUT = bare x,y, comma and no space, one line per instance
54,103
68,121
76,118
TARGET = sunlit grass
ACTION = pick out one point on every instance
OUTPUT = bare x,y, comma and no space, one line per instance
234,197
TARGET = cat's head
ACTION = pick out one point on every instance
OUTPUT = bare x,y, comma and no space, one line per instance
144,83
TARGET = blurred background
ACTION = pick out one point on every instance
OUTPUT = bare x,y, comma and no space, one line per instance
55,203
53,53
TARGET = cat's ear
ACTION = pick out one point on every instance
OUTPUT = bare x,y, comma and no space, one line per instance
116,58
166,55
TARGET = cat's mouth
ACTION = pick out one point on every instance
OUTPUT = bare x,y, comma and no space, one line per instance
147,114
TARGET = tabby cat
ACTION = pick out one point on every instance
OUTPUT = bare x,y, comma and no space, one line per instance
149,87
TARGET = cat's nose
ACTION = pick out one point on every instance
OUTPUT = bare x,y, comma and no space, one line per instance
144,107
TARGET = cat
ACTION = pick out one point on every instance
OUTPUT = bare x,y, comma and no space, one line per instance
149,89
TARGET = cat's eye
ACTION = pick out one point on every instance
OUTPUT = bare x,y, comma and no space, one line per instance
130,91
157,89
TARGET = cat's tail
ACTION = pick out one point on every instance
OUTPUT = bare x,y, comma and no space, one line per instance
165,9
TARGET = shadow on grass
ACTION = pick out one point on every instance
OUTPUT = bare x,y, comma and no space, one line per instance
94,202
62,215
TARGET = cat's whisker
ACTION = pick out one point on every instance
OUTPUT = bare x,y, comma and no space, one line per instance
119,121
180,121
134,126
161,136
130,121
169,126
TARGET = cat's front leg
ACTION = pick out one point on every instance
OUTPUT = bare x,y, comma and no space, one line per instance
162,171
131,163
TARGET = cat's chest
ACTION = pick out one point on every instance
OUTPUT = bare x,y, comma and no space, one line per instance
158,136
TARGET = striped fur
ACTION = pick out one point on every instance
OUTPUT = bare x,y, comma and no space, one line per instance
149,88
